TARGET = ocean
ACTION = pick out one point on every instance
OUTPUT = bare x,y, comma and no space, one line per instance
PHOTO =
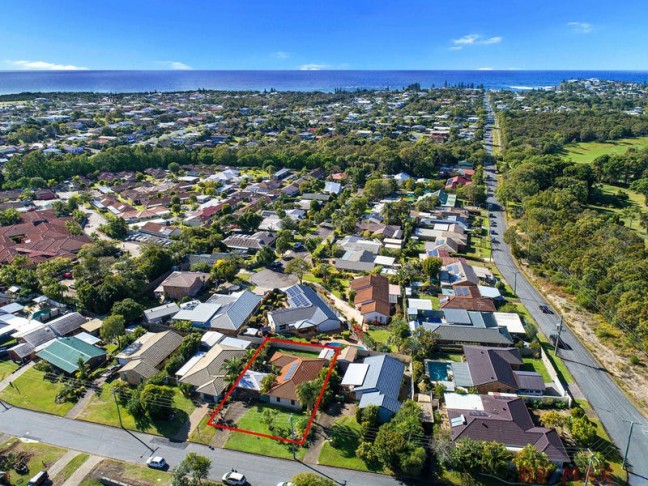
145,81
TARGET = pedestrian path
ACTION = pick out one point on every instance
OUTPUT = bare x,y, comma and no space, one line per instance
58,466
20,371
85,469
196,417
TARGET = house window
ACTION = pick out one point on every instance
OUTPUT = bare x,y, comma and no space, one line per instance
292,402
278,399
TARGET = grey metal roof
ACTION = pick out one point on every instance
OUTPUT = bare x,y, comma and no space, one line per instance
529,380
457,316
161,311
305,305
235,309
380,400
469,334
385,375
67,323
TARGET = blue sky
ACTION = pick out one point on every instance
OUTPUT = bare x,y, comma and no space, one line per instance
333,34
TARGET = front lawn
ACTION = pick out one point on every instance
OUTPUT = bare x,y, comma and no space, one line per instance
101,409
124,472
203,434
6,368
41,456
260,445
32,391
70,468
343,453
586,152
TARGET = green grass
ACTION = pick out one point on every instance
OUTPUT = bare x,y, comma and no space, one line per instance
40,456
296,352
557,363
70,468
457,358
343,453
203,434
101,409
31,391
260,445
124,471
531,364
6,368
586,152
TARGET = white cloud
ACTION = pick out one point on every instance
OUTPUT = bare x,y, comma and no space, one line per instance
179,66
41,66
313,67
281,54
485,69
580,27
474,40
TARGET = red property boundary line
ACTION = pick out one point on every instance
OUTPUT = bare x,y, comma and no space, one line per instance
266,341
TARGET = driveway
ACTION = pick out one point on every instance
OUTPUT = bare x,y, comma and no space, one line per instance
269,279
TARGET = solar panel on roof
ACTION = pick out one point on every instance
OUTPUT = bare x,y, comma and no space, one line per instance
478,414
291,370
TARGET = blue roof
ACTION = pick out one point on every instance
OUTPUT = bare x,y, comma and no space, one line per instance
380,400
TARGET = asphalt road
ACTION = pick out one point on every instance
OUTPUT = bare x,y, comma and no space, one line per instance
609,402
119,444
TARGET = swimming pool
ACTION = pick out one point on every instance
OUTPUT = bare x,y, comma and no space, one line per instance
339,345
438,371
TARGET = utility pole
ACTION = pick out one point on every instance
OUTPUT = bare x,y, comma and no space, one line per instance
589,466
627,449
292,436
515,283
560,327
114,394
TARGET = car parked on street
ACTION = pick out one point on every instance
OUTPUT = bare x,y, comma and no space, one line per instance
234,478
156,462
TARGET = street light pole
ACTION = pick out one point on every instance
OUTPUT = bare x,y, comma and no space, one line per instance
627,449
560,326
515,283
114,394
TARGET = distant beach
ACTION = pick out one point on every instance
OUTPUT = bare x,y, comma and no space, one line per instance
145,81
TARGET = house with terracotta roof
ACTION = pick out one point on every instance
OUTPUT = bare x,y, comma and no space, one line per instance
372,298
294,370
182,284
40,236
502,419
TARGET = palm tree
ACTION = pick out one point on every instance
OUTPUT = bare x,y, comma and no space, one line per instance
307,392
233,368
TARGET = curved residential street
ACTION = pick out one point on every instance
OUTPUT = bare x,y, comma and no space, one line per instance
612,406
115,443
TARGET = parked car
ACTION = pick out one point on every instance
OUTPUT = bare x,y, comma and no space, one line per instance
545,309
234,478
156,462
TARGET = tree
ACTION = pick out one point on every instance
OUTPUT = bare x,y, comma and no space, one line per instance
157,400
432,266
553,419
129,309
582,430
307,392
264,257
115,227
268,415
174,167
298,267
225,269
311,479
232,368
267,382
284,241
154,260
9,216
533,466
193,470
597,466
249,221
112,328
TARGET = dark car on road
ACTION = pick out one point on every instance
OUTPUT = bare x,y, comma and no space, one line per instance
545,309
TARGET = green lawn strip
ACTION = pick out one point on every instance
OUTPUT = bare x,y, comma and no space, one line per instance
124,471
70,467
102,410
41,456
343,453
532,364
203,434
586,152
32,391
433,298
457,358
6,368
557,363
297,352
260,445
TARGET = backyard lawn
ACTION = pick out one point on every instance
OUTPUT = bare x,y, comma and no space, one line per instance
31,391
6,368
40,456
343,453
260,445
532,364
588,151
102,410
